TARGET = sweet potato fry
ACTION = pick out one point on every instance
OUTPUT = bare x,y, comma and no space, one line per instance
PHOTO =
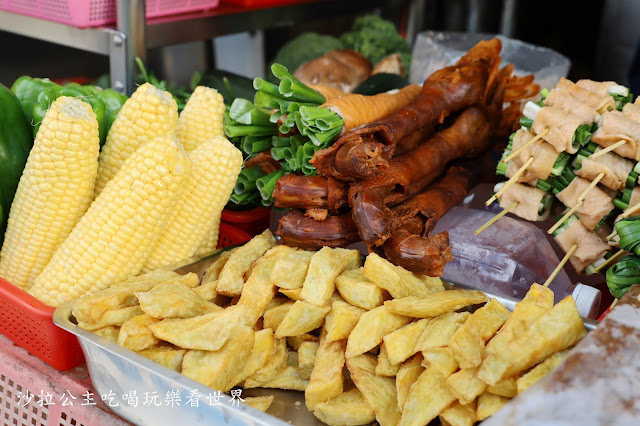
441,359
398,281
295,341
289,378
465,385
440,330
384,366
302,318
135,334
113,317
261,403
507,388
359,290
290,271
325,265
372,326
220,369
110,332
435,304
307,353
231,278
408,373
401,344
292,294
459,415
167,356
275,365
379,392
326,380
556,330
174,300
258,291
348,408
213,270
488,404
274,316
341,320
539,371
261,353
428,397
468,342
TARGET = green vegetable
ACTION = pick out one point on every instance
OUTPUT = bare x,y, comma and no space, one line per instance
228,84
321,125
15,143
27,90
621,101
623,275
304,48
545,185
582,135
526,122
266,185
376,38
544,93
293,89
562,181
113,102
50,94
628,230
379,83
560,163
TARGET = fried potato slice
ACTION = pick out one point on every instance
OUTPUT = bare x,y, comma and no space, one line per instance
441,359
379,392
372,326
221,369
174,300
274,316
408,373
231,278
302,318
290,271
435,304
135,333
326,264
208,290
465,385
401,344
90,308
507,388
468,342
113,317
261,353
384,366
398,281
307,353
459,414
167,356
440,330
289,378
110,332
326,380
292,294
539,371
213,270
295,341
428,397
342,318
359,290
556,330
275,365
488,404
347,409
207,332
261,403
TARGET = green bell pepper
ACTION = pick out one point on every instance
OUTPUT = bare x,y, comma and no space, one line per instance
15,145
50,94
113,102
27,90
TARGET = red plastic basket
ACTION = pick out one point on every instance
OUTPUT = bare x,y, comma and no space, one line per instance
266,3
28,323
253,221
94,13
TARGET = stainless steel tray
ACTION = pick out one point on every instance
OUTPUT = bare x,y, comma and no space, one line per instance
116,371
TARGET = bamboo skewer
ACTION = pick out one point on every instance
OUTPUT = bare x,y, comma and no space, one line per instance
615,302
565,216
611,235
592,185
495,218
510,182
607,149
630,211
529,142
560,265
608,261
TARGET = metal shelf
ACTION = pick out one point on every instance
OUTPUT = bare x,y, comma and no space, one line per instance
134,33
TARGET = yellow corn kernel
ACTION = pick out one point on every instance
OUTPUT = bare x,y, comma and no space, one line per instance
202,118
146,115
55,190
114,238
216,165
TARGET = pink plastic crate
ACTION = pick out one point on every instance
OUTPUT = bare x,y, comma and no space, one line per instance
94,13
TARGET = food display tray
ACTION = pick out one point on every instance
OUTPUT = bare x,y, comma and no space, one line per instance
27,322
121,371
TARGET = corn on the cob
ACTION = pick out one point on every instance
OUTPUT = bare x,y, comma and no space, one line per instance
216,164
202,118
146,115
114,238
55,190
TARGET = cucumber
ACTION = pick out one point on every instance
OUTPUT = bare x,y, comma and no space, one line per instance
229,85
379,83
